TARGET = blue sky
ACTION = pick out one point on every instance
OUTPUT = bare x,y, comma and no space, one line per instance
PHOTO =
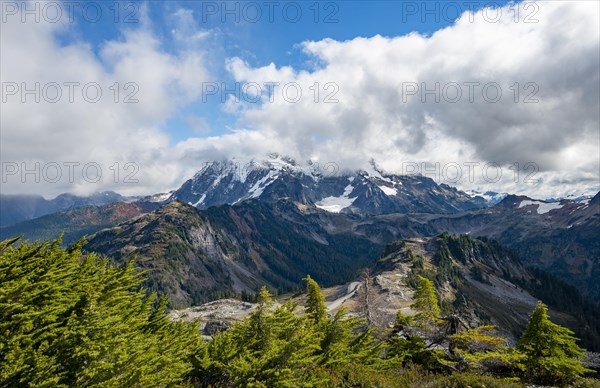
273,36
380,58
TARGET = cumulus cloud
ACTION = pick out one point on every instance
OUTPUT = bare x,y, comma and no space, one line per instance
120,135
547,73
366,98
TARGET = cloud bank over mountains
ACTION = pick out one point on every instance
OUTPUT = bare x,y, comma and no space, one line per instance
478,93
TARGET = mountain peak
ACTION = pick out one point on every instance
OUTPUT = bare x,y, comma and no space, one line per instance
364,192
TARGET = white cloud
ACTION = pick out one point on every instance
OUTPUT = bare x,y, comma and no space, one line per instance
558,56
104,132
374,117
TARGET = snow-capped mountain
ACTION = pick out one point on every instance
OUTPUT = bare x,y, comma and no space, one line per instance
574,198
494,198
365,192
491,197
158,198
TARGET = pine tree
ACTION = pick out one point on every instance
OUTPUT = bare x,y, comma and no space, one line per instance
73,320
480,350
315,302
426,302
273,347
552,355
406,347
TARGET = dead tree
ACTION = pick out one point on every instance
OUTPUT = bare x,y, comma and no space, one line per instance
367,284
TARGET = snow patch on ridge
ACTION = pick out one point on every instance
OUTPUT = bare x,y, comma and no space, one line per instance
336,204
388,190
258,188
542,207
201,200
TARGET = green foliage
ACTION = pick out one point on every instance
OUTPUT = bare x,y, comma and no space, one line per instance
586,383
461,380
315,302
364,376
72,320
426,302
271,348
551,352
68,320
406,347
477,340
343,342
418,262
411,350
478,275
479,350
446,269
276,347
565,298
393,247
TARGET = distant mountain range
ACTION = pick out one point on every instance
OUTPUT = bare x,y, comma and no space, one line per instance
17,208
235,225
78,222
561,237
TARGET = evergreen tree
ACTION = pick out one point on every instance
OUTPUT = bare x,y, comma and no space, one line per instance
73,320
551,352
273,347
346,340
426,302
315,302
406,347
480,350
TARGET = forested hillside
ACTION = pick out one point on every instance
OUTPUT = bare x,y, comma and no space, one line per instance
71,319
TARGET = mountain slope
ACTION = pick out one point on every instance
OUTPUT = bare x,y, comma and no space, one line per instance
76,223
17,208
195,257
477,279
562,238
360,192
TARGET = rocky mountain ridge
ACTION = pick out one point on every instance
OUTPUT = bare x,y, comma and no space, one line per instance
561,238
360,192
478,279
